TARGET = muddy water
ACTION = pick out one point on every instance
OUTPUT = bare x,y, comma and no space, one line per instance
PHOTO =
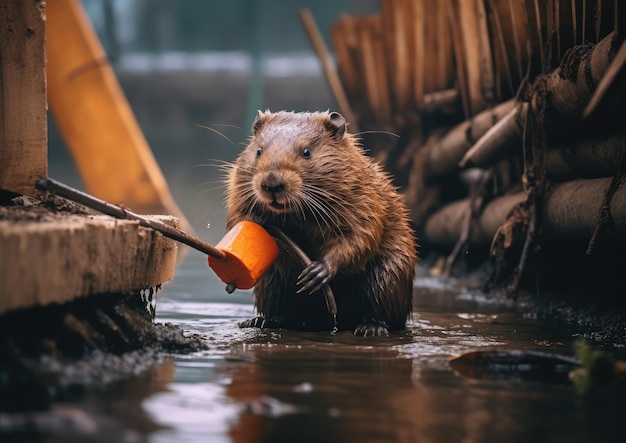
282,386
272,386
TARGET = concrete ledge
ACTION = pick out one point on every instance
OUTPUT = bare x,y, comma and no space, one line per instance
56,261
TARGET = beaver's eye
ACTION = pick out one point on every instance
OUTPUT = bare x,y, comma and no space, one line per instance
306,153
259,151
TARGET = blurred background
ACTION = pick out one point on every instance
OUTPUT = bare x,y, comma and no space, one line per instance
189,65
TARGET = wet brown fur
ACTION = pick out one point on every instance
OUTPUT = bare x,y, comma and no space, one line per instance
341,208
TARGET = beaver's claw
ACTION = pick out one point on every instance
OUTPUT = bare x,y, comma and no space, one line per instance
262,323
372,328
314,277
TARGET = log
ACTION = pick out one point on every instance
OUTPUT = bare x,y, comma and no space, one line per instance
444,102
23,106
570,214
573,83
568,89
500,142
572,210
586,158
444,227
445,156
610,93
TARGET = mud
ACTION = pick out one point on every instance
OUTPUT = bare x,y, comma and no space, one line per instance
51,353
23,208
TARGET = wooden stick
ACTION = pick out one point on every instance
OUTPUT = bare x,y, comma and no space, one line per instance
329,70
445,157
609,83
289,245
500,141
58,188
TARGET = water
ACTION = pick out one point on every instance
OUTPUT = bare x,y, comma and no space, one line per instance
257,386
282,386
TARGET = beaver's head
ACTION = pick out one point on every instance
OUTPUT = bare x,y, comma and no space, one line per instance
291,162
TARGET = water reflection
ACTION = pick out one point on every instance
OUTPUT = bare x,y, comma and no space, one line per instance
261,386
111,412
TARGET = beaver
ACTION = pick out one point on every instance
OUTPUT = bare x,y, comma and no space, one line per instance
305,174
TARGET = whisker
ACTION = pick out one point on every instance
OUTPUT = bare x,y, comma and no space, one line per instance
218,133
226,125
377,132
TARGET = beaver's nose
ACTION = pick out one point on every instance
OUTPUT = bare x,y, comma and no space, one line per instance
273,187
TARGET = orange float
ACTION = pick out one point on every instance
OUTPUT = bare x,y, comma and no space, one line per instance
249,251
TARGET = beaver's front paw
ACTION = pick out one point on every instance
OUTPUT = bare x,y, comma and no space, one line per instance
314,277
261,322
372,328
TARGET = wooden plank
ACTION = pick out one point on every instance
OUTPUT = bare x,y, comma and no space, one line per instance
417,48
72,256
342,36
368,61
95,119
395,18
23,122
443,48
381,65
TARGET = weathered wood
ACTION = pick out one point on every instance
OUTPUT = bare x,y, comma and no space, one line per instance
570,213
593,158
610,92
397,27
445,226
445,156
371,52
468,22
58,261
57,188
501,140
573,83
438,53
572,210
23,122
95,119
328,67
444,102
343,36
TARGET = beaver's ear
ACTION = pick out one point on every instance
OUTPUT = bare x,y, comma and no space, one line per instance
335,125
259,121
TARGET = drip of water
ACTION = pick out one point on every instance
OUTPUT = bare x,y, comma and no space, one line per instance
335,328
